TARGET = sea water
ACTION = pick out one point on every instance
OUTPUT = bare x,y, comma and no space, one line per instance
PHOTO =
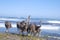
49,28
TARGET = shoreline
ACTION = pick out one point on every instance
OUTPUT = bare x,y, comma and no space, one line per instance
9,36
50,37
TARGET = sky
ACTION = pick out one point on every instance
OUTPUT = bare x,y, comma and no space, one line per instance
34,8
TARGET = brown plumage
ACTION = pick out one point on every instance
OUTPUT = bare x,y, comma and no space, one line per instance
8,24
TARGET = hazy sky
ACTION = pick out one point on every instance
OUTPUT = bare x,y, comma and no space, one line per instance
35,8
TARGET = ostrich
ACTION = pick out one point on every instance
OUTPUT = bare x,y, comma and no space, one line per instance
7,25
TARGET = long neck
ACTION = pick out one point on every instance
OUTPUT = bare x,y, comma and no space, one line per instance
40,23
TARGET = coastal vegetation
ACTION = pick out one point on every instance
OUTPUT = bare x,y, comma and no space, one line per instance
8,36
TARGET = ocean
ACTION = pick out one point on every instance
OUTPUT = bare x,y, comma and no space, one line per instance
49,27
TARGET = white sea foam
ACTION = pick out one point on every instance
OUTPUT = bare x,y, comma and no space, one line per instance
48,27
3,25
54,22
10,19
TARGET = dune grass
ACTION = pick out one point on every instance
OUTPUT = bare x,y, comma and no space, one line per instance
5,36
